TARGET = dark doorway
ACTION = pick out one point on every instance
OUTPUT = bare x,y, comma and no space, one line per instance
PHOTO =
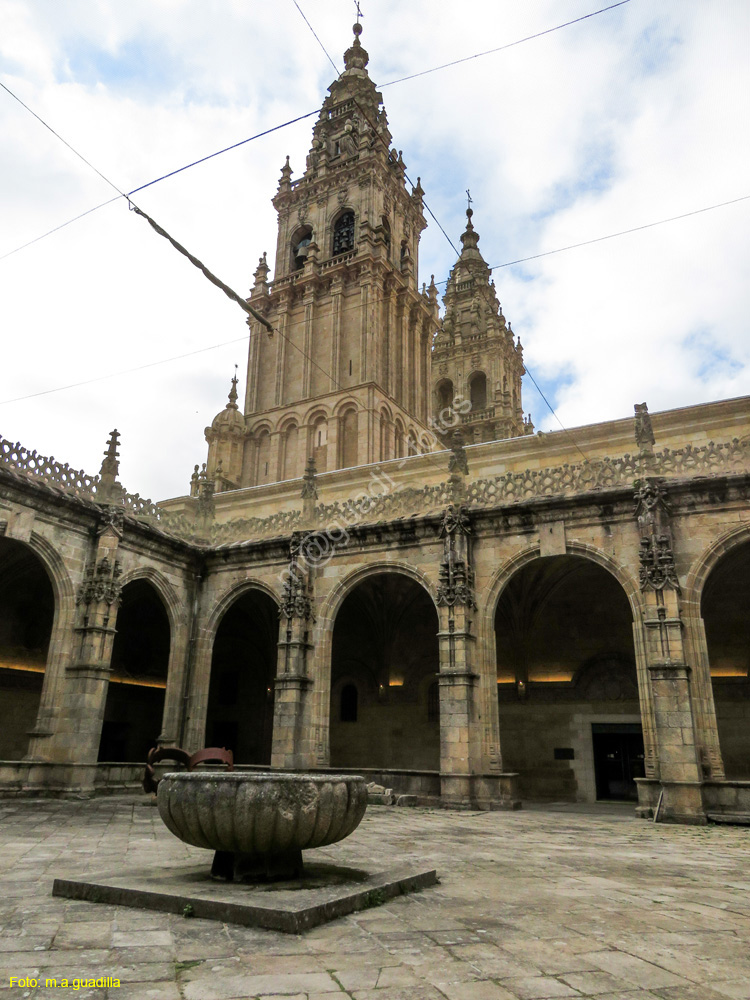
725,609
383,665
618,759
243,668
27,609
140,658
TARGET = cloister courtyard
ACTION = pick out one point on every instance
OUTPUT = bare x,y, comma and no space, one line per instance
551,901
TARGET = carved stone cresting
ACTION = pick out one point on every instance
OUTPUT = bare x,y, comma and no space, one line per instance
653,512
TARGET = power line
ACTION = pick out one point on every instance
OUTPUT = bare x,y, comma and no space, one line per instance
624,232
63,141
302,14
275,128
501,48
142,187
124,371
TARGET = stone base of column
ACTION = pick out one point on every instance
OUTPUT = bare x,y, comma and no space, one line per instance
479,791
674,801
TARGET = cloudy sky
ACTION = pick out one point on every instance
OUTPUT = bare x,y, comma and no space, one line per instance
631,116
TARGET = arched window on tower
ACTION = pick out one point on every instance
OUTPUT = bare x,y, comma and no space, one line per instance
300,242
444,392
343,233
478,391
348,438
386,236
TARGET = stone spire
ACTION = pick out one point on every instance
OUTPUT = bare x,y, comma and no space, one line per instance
109,488
355,57
475,356
232,404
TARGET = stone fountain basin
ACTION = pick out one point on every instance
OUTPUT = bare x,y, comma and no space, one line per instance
260,815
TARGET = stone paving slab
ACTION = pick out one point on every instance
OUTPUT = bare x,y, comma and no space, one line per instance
326,893
532,905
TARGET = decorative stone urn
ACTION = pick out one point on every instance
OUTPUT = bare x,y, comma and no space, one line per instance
258,823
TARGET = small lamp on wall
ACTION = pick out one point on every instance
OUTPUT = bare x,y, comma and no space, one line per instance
521,689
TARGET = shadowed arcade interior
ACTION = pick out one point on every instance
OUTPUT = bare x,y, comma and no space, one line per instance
567,685
384,695
243,668
725,609
27,608
140,658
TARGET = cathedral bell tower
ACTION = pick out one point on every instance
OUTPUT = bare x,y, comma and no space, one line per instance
476,356
345,377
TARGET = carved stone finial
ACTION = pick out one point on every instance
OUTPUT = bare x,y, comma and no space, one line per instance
262,271
644,432
309,487
109,488
194,482
458,463
355,56
232,404
111,465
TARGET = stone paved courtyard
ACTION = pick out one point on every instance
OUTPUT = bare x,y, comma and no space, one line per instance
544,903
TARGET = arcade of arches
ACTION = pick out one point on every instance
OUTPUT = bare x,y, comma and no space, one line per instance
560,684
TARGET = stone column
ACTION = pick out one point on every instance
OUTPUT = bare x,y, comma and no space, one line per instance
292,744
464,778
87,677
180,665
337,287
675,760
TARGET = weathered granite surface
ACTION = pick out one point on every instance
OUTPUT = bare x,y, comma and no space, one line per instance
553,902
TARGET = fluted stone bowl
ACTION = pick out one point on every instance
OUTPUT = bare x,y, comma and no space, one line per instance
259,822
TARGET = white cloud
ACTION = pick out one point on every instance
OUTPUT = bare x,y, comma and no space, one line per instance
633,115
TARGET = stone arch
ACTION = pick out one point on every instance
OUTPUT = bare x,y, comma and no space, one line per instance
36,631
142,652
330,606
227,599
715,613
289,458
383,637
571,687
300,240
163,588
238,670
399,439
263,471
444,394
707,560
489,597
348,436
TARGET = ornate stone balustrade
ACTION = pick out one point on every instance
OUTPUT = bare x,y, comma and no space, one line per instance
54,473
74,481
508,488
